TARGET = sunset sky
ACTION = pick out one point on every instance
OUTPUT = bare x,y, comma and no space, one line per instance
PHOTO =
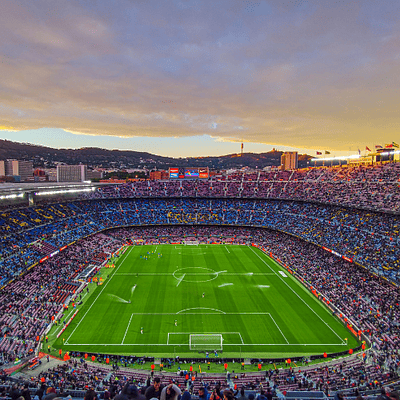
198,77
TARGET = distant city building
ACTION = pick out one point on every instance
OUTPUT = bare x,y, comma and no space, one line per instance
2,168
39,175
51,174
39,172
21,170
289,160
94,174
159,175
71,173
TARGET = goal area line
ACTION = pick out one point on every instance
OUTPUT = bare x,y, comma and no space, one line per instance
204,333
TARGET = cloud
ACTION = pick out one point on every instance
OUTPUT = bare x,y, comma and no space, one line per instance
8,128
320,73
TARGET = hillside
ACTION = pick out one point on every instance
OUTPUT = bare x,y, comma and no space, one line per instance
96,157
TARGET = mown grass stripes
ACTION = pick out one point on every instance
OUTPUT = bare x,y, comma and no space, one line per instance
244,291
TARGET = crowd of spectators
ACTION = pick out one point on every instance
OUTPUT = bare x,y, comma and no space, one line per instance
30,303
372,303
353,376
368,238
309,205
374,187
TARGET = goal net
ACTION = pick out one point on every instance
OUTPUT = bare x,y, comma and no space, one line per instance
206,341
191,242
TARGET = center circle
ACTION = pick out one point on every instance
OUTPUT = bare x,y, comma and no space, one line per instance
194,277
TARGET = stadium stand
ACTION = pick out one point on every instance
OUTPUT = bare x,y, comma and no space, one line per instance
328,225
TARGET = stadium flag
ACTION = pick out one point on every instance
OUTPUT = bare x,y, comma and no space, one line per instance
242,146
378,146
388,146
367,148
327,152
319,153
359,151
395,144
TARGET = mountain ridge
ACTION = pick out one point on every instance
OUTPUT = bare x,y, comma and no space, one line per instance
44,156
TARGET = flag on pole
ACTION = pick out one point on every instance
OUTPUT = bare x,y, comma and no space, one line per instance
327,152
319,153
378,146
395,144
367,148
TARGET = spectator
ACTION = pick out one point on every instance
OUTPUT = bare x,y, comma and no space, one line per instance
154,390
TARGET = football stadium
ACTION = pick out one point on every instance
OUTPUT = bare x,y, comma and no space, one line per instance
292,273
199,200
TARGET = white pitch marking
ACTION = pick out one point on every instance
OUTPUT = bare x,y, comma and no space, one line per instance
205,308
262,286
201,308
129,323
295,293
225,284
227,250
133,289
232,344
180,280
195,273
287,341
101,291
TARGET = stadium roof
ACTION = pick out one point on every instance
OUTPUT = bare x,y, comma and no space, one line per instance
15,188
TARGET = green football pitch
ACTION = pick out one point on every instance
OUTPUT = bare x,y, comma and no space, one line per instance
235,296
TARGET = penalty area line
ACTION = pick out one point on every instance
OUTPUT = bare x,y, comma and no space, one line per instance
129,323
287,341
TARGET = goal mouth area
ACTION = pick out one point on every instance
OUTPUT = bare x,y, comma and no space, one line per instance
205,341
191,242
209,341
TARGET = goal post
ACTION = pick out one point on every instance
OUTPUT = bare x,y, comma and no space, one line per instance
191,242
205,341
